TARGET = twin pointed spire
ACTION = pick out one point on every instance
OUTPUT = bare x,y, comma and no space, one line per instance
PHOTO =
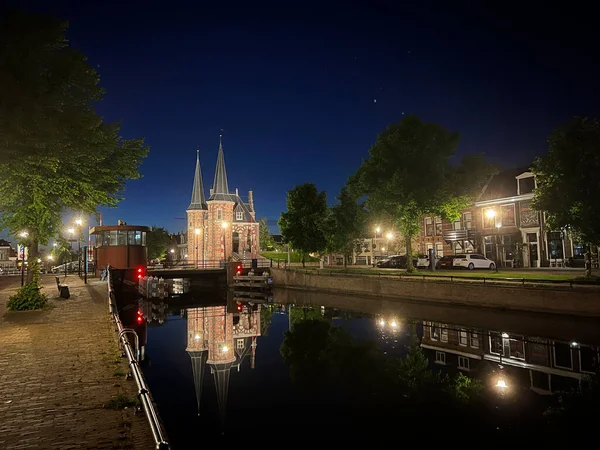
220,185
220,190
198,199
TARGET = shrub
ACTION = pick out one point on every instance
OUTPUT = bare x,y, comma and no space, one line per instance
27,298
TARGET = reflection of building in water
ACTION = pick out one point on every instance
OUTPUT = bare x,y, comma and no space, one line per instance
221,340
542,364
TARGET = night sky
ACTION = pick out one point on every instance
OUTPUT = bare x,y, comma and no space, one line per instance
301,94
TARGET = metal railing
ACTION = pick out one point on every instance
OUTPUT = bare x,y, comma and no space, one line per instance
144,396
209,264
449,278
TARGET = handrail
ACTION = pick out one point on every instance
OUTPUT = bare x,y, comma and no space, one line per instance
484,280
143,390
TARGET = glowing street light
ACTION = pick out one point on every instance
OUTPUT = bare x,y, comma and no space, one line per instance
394,324
490,213
390,236
23,234
78,222
225,349
382,323
71,231
377,230
501,384
50,257
197,337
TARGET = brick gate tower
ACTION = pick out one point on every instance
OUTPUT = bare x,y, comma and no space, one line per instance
222,227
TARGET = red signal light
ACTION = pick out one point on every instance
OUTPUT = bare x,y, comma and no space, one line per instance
140,273
139,313
140,319
239,306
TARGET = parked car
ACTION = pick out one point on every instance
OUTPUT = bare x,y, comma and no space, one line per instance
473,261
423,260
445,262
395,261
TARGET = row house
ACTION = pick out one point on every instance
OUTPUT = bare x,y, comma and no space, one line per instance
8,256
541,364
502,226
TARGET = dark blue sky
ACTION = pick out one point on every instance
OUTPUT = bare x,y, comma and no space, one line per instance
301,93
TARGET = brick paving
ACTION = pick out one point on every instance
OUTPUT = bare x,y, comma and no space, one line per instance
59,368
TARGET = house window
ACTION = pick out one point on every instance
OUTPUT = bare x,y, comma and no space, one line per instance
438,226
475,340
563,356
463,363
444,335
468,221
468,247
439,249
488,222
239,215
463,338
428,226
240,344
440,357
458,247
435,332
219,214
555,245
508,216
507,346
526,185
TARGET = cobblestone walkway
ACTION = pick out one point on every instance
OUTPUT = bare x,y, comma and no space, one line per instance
58,369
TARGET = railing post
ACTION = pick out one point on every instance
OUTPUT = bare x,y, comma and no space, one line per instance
523,281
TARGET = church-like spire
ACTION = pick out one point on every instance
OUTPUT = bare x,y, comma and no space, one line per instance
198,199
220,190
198,364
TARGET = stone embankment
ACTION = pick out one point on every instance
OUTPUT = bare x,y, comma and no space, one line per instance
580,301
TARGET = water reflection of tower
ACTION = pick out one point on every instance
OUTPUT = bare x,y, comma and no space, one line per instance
221,340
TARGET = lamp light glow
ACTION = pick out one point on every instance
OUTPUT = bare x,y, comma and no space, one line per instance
490,213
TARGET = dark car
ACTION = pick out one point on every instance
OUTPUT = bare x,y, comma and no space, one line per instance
445,262
395,262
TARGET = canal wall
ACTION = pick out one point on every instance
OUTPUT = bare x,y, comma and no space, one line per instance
573,301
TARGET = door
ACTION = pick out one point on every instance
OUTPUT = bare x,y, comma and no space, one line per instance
236,243
533,249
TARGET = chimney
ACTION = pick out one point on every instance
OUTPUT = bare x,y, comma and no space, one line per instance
236,192
250,200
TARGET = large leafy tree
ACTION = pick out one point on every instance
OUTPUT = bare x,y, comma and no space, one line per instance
345,224
157,243
408,175
302,225
568,185
56,154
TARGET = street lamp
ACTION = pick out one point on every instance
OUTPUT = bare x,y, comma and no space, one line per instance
224,226
197,233
491,214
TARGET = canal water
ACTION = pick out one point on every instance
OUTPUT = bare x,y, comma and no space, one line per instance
304,366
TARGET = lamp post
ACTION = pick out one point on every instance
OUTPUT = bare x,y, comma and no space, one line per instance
377,230
78,222
71,231
197,233
23,234
224,226
389,237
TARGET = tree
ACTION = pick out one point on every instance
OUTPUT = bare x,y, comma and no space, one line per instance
303,223
57,154
157,243
345,225
568,185
266,241
408,176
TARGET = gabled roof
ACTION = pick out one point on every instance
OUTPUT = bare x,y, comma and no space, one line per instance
220,189
243,207
4,243
501,185
198,199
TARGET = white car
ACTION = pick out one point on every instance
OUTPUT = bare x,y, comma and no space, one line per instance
473,261
423,260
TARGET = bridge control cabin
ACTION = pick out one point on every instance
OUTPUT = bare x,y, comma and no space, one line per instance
120,246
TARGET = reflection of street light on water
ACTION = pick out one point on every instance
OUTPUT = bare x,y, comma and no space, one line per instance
501,384
225,349
197,337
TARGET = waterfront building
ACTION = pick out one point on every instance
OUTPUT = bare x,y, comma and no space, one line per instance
222,227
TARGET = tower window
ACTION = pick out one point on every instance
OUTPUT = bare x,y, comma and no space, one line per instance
219,214
239,215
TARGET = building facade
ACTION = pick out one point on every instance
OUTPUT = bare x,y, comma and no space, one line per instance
222,227
8,256
502,226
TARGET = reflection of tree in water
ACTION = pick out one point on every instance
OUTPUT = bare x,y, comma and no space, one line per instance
328,367
266,313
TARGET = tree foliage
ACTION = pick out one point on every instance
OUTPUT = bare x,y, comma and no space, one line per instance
266,241
157,243
408,175
56,153
568,185
345,224
302,225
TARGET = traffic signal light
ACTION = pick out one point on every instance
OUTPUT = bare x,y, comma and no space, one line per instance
238,269
239,306
140,272
140,317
